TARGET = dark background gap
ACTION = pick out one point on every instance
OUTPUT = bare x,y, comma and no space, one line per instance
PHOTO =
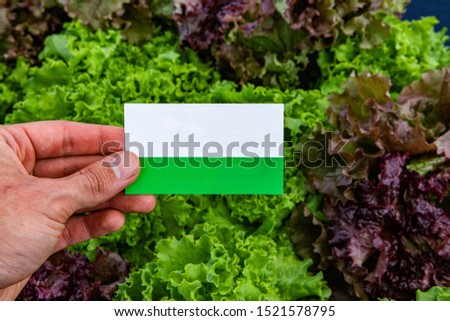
422,8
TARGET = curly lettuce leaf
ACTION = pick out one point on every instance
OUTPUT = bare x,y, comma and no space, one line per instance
426,103
436,293
367,125
72,277
93,12
394,237
366,115
12,81
223,264
134,18
100,74
173,215
312,24
387,219
87,76
412,48
268,211
24,24
370,123
271,42
428,164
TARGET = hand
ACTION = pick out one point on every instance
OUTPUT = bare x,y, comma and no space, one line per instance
49,171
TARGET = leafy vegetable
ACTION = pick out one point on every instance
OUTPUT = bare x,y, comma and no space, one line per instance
389,202
73,277
11,82
135,18
436,293
24,24
392,238
95,12
88,76
172,217
387,225
426,103
268,42
223,263
412,48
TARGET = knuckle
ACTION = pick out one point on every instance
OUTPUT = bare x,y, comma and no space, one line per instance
68,141
95,181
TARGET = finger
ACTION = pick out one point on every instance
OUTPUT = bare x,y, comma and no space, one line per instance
63,166
126,203
98,182
62,138
83,228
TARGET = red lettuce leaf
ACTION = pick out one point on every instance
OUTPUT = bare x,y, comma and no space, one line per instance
24,24
395,237
387,207
367,116
270,42
426,103
73,277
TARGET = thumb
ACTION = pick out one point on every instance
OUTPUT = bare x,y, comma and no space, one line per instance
101,180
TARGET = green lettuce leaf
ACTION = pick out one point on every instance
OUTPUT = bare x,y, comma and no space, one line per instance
87,76
223,264
238,244
436,293
412,48
12,81
428,163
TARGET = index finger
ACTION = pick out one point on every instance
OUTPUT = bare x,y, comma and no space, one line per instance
63,138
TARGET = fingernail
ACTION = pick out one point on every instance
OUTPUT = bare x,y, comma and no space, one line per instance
124,165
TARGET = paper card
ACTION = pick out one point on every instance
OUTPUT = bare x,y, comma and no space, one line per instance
206,148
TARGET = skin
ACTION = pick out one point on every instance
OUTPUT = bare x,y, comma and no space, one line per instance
50,171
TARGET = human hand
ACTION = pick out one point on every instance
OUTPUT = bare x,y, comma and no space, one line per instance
49,171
